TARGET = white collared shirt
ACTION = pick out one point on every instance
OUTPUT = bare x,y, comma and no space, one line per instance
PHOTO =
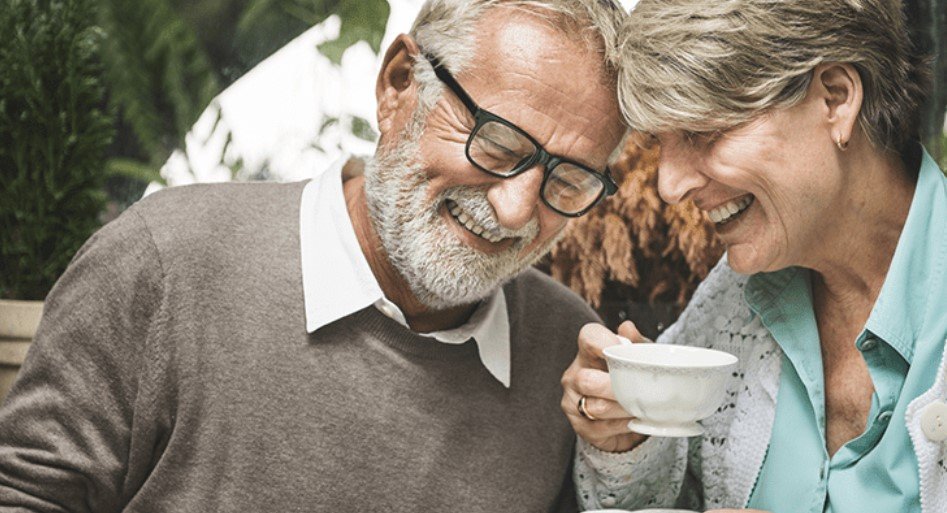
338,282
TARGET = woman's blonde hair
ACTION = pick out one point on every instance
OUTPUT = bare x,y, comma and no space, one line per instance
708,65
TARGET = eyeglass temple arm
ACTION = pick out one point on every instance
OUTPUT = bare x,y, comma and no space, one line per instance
449,81
610,186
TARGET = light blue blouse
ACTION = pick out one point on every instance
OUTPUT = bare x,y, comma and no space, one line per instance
901,343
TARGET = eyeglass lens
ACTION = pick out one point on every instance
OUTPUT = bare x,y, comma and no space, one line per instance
501,150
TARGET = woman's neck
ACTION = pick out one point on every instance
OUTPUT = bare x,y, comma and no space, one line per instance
857,247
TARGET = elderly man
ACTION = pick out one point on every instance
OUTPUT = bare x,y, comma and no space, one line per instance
329,346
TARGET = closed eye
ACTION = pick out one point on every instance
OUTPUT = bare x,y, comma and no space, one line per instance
499,148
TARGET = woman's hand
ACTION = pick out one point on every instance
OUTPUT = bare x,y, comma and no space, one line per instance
606,426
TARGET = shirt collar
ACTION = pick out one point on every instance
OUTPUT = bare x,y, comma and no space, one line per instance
917,269
337,280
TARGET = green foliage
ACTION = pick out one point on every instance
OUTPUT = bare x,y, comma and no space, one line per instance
160,79
362,20
167,59
164,61
53,134
362,129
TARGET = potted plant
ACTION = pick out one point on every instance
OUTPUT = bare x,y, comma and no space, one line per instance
53,136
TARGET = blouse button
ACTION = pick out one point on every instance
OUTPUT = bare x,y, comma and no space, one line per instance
869,343
934,421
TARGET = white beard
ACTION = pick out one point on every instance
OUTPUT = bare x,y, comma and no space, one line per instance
439,268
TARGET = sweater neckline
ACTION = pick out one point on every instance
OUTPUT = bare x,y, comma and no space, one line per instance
392,333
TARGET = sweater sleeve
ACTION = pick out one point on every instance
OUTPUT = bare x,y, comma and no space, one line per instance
646,477
66,427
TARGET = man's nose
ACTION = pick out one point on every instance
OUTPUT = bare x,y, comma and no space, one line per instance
678,175
516,200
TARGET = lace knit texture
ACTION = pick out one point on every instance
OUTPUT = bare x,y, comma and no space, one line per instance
719,469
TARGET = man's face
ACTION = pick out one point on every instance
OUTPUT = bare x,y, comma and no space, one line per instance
454,232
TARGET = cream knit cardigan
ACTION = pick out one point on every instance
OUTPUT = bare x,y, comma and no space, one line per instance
719,469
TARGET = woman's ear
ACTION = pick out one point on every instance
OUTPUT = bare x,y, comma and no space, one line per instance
840,88
395,88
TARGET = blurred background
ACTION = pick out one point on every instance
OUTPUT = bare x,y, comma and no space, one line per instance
104,101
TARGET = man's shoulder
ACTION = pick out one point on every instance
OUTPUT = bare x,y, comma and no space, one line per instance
203,223
534,293
213,201
199,210
534,279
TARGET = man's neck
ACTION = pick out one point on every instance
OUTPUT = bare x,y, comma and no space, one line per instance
419,317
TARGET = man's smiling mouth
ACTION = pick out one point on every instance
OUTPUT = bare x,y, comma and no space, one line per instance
726,212
467,222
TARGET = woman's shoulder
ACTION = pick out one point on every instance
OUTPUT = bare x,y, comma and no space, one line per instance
719,296
717,313
723,286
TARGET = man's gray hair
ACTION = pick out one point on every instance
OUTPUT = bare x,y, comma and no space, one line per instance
709,65
446,29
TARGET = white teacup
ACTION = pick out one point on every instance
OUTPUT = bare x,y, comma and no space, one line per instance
668,388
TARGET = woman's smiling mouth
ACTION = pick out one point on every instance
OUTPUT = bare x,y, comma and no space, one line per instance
730,210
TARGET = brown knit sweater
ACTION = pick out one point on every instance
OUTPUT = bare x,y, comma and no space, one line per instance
173,372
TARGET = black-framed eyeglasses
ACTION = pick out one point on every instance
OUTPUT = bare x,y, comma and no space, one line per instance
500,148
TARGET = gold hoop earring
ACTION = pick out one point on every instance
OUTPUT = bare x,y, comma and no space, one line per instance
842,146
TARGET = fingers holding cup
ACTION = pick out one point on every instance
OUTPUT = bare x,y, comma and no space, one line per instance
588,400
629,332
593,339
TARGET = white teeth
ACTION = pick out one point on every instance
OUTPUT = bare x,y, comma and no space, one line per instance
470,224
730,209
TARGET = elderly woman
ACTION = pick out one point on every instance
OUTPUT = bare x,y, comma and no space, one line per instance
792,125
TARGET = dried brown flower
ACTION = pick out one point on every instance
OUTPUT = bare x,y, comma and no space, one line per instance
634,246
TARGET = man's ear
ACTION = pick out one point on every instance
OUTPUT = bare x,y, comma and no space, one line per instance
840,88
396,88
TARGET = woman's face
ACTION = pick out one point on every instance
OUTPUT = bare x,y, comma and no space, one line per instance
770,186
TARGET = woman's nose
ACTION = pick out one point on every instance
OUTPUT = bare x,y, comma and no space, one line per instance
516,200
678,175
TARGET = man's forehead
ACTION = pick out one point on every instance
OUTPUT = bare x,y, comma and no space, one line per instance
532,35
531,72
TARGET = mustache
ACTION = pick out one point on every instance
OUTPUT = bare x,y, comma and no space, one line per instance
473,201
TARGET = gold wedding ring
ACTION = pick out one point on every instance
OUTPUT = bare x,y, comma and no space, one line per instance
582,411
